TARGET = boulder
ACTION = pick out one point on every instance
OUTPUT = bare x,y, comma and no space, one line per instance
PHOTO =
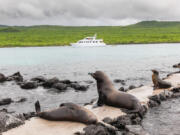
119,81
29,115
50,82
39,79
8,121
21,100
15,77
122,89
79,87
29,85
107,120
60,86
2,78
6,101
156,98
152,103
121,122
67,82
131,87
176,90
98,129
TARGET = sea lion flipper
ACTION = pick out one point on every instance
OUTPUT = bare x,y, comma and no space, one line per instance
101,99
37,107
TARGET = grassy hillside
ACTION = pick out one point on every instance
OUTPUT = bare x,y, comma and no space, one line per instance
143,32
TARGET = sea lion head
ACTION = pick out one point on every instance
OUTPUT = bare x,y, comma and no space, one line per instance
99,76
155,72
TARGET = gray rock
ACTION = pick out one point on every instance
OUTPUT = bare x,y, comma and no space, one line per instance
67,82
98,129
15,77
119,81
119,133
79,87
156,98
162,96
6,101
121,121
50,82
21,100
39,79
152,103
29,85
122,89
8,121
175,90
168,93
60,86
131,87
2,78
107,120
136,129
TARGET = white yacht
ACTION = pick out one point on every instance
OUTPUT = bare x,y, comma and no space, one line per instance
88,42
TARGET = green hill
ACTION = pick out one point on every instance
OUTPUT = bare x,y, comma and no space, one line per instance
156,24
45,35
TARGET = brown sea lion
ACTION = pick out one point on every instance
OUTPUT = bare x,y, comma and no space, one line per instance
158,82
177,66
67,112
110,96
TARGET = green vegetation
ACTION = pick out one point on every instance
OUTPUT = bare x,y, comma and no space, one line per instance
143,32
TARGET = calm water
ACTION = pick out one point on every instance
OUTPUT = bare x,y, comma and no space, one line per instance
129,62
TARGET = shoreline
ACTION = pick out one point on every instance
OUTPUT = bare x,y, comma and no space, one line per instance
119,44
145,94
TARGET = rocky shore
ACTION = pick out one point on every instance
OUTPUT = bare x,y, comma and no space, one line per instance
112,121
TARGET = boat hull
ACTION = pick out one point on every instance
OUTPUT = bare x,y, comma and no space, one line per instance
88,45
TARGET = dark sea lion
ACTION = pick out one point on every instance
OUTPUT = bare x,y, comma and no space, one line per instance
67,112
110,96
158,82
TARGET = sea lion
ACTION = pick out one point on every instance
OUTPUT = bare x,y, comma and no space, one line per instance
110,96
158,82
67,112
176,66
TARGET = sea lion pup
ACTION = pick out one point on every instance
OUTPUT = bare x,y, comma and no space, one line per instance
110,96
159,83
67,112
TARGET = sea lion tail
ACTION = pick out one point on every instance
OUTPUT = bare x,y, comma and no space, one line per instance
37,107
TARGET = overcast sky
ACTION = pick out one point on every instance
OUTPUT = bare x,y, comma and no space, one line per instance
86,12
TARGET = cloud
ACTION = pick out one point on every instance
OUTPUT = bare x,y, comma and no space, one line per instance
86,12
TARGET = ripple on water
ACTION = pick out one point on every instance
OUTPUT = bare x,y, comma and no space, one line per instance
163,120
